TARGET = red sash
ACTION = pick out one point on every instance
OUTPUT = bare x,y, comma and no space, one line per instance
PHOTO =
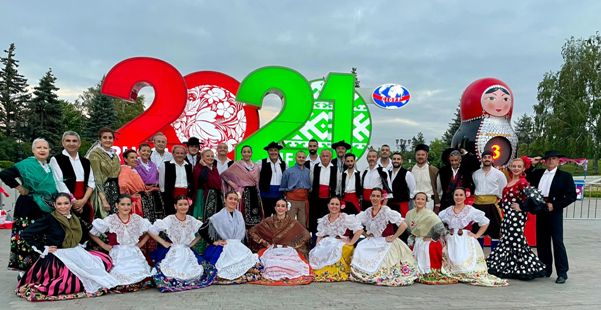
180,191
80,190
324,191
353,199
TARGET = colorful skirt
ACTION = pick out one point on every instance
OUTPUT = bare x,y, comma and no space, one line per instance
170,283
331,260
429,257
152,205
284,266
376,261
22,256
49,280
464,261
251,206
235,266
111,192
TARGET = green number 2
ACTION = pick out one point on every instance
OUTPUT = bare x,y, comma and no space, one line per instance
297,104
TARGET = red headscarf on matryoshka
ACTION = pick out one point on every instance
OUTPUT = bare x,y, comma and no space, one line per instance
487,96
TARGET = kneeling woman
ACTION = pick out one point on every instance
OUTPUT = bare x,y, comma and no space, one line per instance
126,233
284,241
178,267
426,231
225,232
64,270
381,259
463,256
331,257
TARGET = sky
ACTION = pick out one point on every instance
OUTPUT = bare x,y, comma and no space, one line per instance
434,48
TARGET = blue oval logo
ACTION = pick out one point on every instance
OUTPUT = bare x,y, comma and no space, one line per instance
391,96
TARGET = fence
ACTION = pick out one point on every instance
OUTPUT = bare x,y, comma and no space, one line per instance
588,208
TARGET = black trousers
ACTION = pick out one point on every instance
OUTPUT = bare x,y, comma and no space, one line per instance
269,205
549,229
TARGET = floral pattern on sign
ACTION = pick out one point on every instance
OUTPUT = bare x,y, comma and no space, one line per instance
213,116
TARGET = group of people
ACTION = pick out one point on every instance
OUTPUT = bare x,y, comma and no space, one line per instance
190,218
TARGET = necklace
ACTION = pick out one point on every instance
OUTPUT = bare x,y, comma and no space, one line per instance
127,221
177,217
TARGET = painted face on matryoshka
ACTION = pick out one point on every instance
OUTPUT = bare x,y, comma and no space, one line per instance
496,100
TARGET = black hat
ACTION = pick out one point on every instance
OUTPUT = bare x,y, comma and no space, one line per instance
552,153
422,147
341,143
193,141
273,145
486,152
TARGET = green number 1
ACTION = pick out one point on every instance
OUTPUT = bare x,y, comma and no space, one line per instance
339,88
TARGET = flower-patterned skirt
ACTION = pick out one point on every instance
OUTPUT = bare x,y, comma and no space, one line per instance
398,268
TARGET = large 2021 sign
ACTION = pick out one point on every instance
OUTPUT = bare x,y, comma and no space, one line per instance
216,108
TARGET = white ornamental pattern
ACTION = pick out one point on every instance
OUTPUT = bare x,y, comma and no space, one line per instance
213,115
319,125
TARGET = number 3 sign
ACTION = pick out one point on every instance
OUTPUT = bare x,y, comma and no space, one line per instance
215,108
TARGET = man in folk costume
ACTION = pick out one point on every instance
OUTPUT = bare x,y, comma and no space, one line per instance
296,183
193,147
323,187
426,177
374,176
223,162
341,148
73,175
489,183
160,154
402,185
351,186
454,174
175,179
559,191
313,158
270,177
384,159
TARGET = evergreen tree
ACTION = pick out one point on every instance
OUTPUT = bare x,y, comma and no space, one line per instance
101,112
126,111
419,139
13,96
447,137
524,129
45,114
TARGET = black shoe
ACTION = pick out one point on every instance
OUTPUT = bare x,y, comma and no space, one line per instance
561,280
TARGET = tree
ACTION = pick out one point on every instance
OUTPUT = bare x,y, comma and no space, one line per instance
447,137
437,146
568,114
45,115
419,139
354,72
13,96
126,111
101,111
524,129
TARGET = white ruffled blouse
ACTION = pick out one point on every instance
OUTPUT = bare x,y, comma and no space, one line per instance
375,225
467,216
179,232
127,233
338,227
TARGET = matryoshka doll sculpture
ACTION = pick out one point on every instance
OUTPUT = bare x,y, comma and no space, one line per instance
485,108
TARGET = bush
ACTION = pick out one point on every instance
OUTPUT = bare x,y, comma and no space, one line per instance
6,164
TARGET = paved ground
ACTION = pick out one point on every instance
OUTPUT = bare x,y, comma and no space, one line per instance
580,292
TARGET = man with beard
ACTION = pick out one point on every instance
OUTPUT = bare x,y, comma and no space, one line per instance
223,162
350,187
323,184
454,175
341,148
489,183
384,159
426,177
296,183
270,177
372,177
193,146
160,154
313,158
403,185
73,175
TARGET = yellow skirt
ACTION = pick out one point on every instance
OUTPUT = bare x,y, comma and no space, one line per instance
339,271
